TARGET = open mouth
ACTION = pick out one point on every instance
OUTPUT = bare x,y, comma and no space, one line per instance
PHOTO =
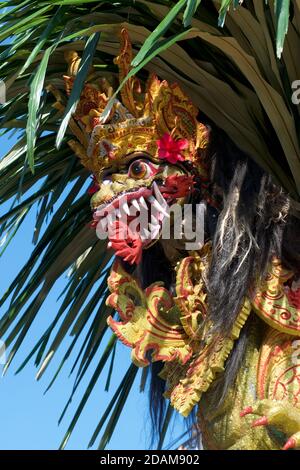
132,220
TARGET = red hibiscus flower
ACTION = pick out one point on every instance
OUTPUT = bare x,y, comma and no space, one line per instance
170,149
125,243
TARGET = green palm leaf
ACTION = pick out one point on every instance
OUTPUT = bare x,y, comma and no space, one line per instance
86,62
239,75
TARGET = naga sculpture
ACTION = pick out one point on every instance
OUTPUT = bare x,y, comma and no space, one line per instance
218,322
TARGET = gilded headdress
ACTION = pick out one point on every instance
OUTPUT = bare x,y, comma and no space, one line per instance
137,121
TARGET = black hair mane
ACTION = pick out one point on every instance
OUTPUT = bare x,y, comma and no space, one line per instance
253,225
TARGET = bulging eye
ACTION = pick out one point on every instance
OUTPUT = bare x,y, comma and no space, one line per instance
139,169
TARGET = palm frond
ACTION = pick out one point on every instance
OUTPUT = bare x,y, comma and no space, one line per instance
236,62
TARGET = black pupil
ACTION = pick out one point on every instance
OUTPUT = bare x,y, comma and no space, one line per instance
137,168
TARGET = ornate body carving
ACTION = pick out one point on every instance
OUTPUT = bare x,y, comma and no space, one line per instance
149,153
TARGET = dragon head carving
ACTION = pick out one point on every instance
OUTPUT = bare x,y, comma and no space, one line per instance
144,151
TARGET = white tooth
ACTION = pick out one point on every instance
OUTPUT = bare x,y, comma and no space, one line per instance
118,213
143,202
112,216
153,228
111,213
160,208
135,204
102,225
159,196
133,210
145,233
109,219
157,205
154,202
126,208
154,231
154,220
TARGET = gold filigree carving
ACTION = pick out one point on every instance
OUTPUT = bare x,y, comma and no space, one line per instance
271,301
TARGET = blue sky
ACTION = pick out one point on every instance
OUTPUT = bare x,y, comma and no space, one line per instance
28,417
